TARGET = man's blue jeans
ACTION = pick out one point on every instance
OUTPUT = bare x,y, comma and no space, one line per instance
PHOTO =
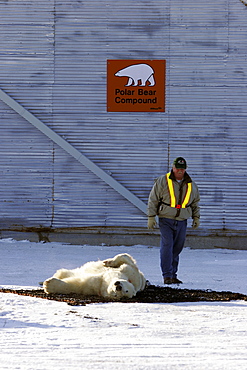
173,234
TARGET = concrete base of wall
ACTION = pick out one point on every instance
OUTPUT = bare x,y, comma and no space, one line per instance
201,239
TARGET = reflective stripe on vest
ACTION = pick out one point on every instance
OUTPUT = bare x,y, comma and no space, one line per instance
173,202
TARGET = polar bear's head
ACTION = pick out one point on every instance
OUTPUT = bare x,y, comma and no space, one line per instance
121,288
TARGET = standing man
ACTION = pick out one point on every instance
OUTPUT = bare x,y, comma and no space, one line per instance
174,198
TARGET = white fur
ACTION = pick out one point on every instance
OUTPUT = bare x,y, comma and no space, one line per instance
113,278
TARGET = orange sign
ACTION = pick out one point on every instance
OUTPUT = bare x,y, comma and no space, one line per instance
136,85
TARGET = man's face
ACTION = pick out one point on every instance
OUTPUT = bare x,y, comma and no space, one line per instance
178,172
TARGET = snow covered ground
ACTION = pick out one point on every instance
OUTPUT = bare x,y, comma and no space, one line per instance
39,334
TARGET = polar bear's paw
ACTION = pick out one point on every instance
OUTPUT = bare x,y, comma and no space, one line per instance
53,285
109,263
119,260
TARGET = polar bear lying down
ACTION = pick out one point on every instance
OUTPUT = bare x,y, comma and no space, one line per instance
113,278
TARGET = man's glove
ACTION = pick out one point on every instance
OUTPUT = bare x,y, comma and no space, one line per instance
196,223
151,222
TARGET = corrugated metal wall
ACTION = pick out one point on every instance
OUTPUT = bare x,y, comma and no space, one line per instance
53,61
27,74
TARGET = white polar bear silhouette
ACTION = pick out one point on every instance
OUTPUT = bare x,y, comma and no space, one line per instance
137,72
113,278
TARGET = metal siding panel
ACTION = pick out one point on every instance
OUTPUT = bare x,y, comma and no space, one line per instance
53,62
207,101
26,68
26,169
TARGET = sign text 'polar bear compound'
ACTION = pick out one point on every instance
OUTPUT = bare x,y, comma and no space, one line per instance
136,85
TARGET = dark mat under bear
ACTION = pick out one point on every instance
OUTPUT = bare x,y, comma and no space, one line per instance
151,294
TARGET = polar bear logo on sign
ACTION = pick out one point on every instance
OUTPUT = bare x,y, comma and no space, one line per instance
137,72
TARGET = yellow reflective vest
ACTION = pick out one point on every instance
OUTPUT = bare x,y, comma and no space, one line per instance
173,199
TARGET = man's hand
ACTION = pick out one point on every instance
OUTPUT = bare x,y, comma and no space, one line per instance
151,222
196,223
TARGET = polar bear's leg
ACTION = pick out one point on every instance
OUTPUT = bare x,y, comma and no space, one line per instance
151,80
136,80
69,285
143,82
62,274
54,285
119,260
130,81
